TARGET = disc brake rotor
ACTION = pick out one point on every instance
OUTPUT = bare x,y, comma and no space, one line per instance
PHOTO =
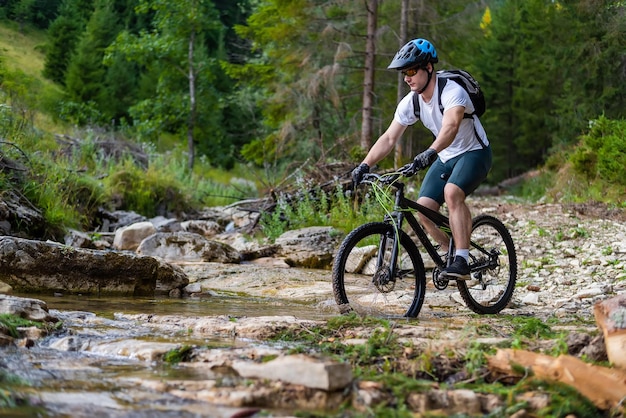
383,280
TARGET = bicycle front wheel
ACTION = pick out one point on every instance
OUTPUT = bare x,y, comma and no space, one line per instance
493,266
364,279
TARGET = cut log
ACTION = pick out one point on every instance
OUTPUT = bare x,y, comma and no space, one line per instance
610,316
605,387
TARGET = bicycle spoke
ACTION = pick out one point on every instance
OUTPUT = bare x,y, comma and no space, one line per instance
363,279
494,267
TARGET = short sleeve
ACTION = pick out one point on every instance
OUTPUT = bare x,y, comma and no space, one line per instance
405,113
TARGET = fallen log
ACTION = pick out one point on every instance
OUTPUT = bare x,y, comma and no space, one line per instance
605,387
610,316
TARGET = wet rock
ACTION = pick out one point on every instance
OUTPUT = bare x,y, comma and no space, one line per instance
134,349
27,308
36,266
260,327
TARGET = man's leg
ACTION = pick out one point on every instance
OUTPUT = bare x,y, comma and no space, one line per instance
438,235
460,216
461,226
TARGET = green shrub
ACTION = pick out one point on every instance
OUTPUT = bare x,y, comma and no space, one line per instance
585,162
66,199
602,152
340,210
149,192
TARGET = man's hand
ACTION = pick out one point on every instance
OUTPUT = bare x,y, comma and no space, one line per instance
358,173
420,162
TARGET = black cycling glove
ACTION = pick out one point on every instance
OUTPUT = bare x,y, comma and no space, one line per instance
420,162
358,173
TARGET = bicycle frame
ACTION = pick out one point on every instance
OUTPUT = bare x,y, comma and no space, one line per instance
401,211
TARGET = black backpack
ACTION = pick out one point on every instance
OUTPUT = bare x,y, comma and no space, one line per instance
469,84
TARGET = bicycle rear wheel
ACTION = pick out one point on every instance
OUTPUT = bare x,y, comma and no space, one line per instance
493,265
362,279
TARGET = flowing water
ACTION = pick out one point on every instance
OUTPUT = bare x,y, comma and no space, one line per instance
218,304
74,383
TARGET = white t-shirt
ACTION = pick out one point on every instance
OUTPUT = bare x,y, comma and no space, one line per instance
430,115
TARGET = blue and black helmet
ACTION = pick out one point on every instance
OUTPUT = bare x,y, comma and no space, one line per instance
417,52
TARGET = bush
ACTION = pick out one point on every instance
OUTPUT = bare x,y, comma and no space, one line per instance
602,152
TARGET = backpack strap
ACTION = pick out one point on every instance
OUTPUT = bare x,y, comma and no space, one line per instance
441,83
416,105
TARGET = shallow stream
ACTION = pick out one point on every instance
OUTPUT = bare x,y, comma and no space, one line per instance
62,380
222,303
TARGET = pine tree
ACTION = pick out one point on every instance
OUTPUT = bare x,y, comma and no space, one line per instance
86,72
63,35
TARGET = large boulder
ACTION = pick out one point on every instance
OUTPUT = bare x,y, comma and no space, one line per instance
312,247
187,246
37,266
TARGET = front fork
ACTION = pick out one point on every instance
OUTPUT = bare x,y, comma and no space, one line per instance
387,269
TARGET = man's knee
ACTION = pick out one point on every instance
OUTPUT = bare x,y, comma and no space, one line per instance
452,192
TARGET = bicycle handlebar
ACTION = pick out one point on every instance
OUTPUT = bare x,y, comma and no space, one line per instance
388,178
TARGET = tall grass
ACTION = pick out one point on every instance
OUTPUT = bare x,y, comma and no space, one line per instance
341,210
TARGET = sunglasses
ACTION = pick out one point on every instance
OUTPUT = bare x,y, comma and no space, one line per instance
410,72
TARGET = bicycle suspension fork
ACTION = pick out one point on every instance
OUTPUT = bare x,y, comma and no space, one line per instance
385,258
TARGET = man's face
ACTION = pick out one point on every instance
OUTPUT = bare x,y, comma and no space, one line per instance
415,77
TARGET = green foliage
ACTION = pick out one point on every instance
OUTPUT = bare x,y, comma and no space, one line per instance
530,327
176,355
63,35
319,208
602,154
12,322
66,199
149,192
86,70
543,82
564,399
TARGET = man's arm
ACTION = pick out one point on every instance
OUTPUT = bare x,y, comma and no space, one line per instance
452,119
385,143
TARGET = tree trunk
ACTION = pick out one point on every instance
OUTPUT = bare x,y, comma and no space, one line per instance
192,103
404,13
604,386
368,79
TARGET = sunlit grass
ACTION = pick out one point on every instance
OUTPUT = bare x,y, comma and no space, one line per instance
22,50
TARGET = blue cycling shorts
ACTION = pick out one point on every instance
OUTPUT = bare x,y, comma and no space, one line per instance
466,171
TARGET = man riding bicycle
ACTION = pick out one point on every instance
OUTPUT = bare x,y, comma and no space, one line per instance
460,161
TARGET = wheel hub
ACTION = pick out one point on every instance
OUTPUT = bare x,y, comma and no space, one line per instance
383,280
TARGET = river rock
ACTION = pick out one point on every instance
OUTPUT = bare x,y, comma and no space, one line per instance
300,370
201,227
311,247
129,238
187,246
27,308
37,266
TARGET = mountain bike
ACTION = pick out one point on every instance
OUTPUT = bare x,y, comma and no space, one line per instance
379,270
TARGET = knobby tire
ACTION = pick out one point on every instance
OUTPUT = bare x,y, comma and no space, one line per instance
358,288
490,290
